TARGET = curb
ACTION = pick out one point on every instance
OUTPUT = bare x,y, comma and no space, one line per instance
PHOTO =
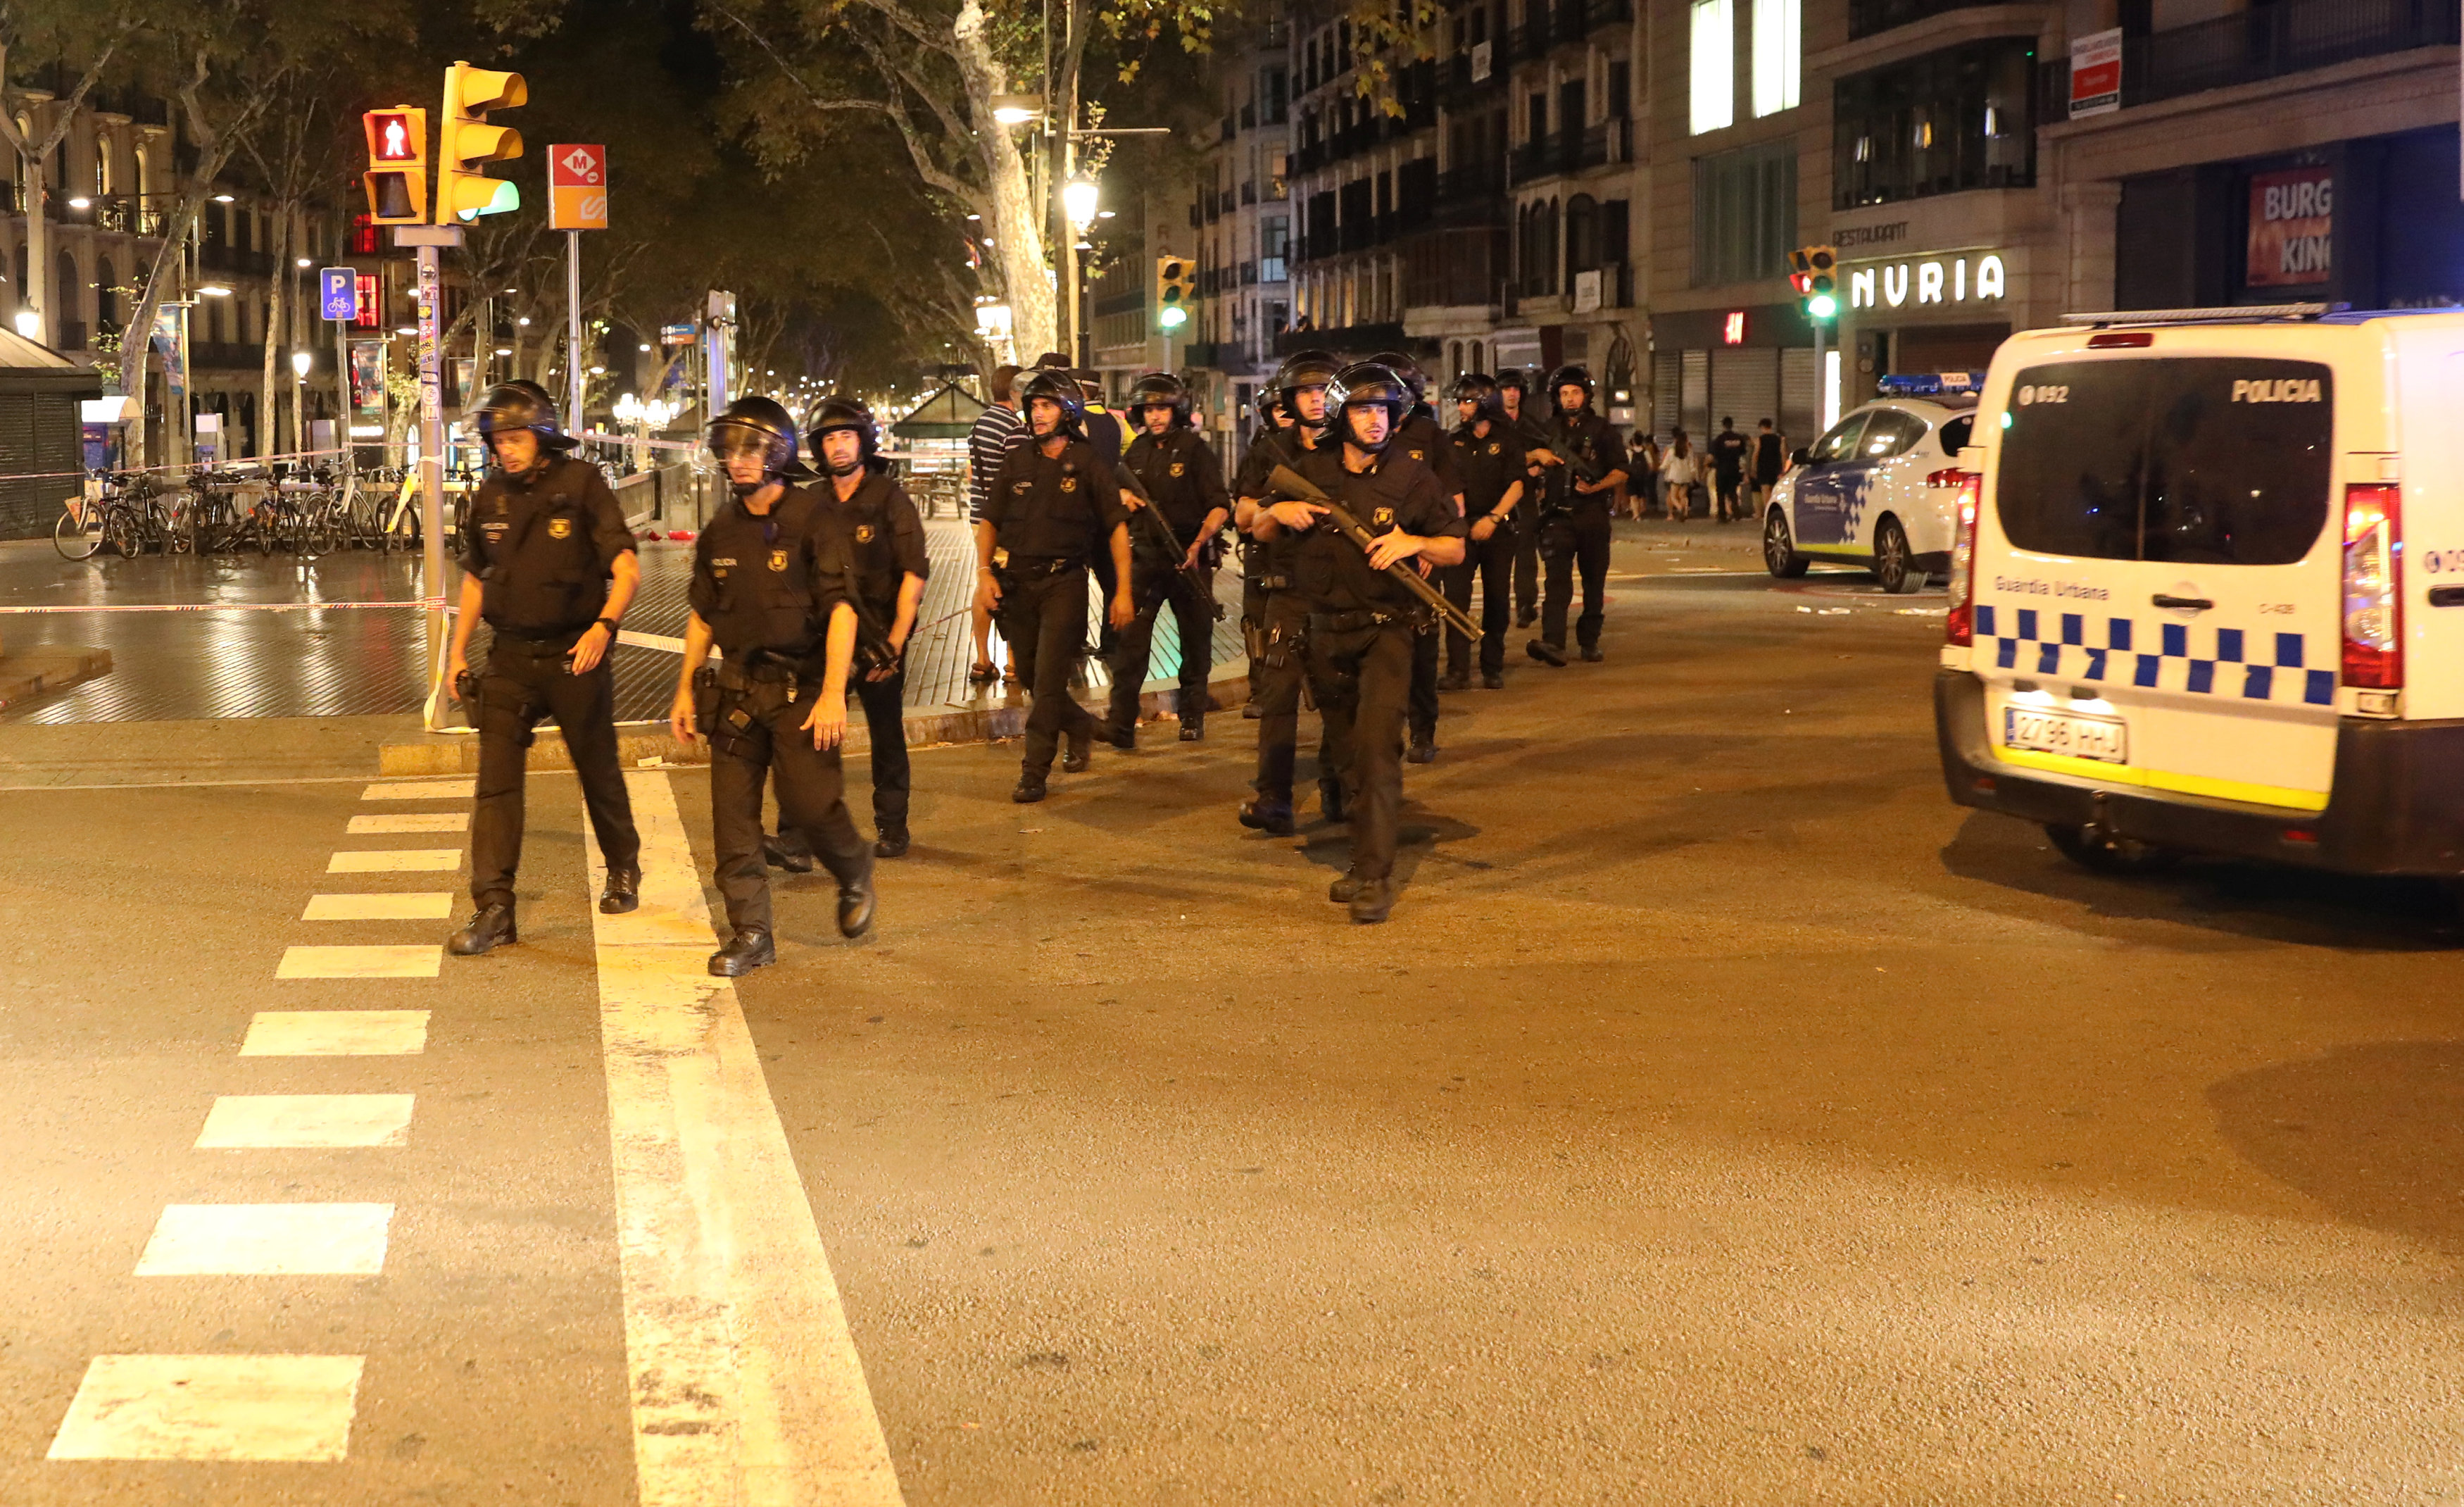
24,676
640,743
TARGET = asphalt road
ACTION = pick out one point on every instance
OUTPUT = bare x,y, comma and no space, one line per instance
1722,1117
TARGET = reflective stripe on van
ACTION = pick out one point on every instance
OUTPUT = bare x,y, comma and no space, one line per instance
2251,666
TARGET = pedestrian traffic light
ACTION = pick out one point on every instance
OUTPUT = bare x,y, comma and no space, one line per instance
464,191
396,175
1175,289
1814,272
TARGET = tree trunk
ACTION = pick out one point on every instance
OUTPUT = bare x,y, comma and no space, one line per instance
36,294
268,440
1016,223
158,280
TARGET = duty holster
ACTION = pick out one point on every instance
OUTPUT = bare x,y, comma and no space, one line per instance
744,694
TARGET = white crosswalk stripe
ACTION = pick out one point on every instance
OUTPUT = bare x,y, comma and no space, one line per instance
426,905
270,1407
415,961
268,1240
259,1122
336,1033
396,860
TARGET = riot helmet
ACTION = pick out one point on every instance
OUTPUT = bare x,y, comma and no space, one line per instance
1301,370
1056,386
833,414
757,426
1405,368
1368,384
516,405
1569,375
1159,389
1480,390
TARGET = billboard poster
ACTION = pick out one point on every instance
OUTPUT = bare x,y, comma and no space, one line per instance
368,379
169,324
2096,73
2292,227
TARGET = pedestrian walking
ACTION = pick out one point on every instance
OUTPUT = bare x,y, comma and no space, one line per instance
1643,472
1585,465
1728,450
1184,483
1489,458
996,429
549,565
1360,619
769,591
1053,505
1769,459
1300,385
1680,467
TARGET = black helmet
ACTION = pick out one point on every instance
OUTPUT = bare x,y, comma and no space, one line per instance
1569,375
1160,388
1405,368
760,425
841,412
1478,387
1267,407
1369,381
517,405
1512,380
1055,384
1305,369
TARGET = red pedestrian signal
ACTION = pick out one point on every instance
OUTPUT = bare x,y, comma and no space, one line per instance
397,175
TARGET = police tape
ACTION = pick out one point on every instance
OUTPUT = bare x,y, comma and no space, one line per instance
430,602
223,470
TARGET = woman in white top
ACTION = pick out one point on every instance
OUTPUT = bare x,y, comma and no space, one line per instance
1678,470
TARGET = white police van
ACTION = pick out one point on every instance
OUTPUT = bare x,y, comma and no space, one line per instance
1879,488
2208,592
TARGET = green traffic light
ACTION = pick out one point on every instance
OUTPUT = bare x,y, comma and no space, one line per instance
1822,306
1173,318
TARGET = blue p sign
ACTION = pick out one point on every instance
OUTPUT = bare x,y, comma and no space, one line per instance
338,293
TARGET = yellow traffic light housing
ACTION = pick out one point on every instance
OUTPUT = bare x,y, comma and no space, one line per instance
1176,291
464,191
1823,282
397,175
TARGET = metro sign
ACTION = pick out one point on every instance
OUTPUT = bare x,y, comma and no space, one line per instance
577,188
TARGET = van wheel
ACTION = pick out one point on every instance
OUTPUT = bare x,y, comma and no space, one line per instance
1894,563
2106,854
1779,549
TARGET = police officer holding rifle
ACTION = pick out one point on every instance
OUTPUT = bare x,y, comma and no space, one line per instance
1280,616
1420,437
550,565
769,589
1583,461
1054,503
1171,552
1489,458
1358,513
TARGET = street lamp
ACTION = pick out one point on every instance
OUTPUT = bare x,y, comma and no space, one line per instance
300,361
1017,109
1078,202
29,324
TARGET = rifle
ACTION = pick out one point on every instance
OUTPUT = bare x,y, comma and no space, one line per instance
1284,480
1190,575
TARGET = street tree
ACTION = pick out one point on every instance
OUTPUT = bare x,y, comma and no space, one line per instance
81,38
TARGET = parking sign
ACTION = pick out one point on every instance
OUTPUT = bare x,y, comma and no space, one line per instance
338,293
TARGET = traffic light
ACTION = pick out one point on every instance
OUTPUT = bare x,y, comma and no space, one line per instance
396,175
464,191
1814,272
1175,289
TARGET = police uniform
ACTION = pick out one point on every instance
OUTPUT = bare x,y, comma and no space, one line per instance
1270,448
1532,435
1361,623
1574,527
766,584
1051,515
1489,464
879,534
1282,619
1185,483
544,544
1421,439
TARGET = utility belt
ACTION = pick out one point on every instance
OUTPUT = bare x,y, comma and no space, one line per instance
1364,619
539,643
1038,567
733,695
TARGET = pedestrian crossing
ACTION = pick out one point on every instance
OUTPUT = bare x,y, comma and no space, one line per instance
286,1408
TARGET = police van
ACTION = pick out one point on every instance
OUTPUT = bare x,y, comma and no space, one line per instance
2207,593
1881,487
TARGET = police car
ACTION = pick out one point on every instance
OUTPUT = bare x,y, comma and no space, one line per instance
2208,591
1880,488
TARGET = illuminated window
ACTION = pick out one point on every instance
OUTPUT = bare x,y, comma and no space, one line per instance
1777,46
1712,104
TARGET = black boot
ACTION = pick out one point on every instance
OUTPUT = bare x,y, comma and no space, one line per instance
1546,653
1030,788
855,908
1423,749
1274,818
1120,735
1342,890
623,891
892,843
1455,680
776,852
1592,655
1372,900
493,924
1329,799
1252,711
1193,727
746,951
1080,753
1492,679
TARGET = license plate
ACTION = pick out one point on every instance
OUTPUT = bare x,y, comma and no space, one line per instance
2097,737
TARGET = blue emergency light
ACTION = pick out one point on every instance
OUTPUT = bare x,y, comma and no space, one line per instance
1931,384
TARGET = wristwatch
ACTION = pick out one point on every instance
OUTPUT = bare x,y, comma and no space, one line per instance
607,623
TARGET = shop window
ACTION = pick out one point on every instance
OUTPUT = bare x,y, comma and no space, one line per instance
1778,42
1711,99
1948,121
1745,213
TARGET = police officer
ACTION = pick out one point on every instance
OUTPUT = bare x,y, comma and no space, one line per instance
1513,390
768,589
1361,621
1489,458
549,563
1054,503
1421,437
1185,483
1281,617
1271,435
879,532
1574,517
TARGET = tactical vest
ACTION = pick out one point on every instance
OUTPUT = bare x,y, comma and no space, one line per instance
756,577
545,576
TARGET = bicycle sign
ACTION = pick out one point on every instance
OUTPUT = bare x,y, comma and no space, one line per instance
338,291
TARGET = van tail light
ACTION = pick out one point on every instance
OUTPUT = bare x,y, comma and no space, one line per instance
2373,587
1961,626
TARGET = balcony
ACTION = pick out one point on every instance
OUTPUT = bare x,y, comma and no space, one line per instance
225,257
1472,182
2271,41
1350,339
1573,151
1455,268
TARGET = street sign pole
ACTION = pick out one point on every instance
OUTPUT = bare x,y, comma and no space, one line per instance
577,195
573,331
338,299
427,240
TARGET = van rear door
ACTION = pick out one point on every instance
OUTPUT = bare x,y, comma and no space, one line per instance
2166,614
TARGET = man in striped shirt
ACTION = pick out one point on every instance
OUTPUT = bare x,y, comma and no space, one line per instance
998,430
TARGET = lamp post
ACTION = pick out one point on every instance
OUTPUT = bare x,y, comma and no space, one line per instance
299,364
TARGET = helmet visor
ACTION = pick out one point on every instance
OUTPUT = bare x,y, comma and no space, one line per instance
730,438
